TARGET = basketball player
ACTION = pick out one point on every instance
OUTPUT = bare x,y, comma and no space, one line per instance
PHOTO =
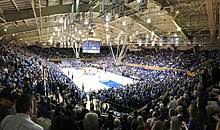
84,71
83,87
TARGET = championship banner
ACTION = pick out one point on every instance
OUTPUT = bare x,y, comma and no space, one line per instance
66,43
101,7
104,4
146,40
177,41
194,41
161,40
113,13
90,16
76,10
113,8
121,8
75,43
185,41
205,40
142,5
171,40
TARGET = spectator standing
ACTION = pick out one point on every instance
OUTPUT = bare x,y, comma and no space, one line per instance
90,121
7,100
44,121
21,120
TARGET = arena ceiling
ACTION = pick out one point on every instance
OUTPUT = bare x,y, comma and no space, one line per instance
39,21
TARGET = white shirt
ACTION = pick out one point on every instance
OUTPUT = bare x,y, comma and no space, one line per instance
19,121
44,122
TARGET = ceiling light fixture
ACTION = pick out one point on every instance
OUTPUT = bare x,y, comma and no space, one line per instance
107,18
148,20
147,36
75,29
178,29
86,22
124,23
106,25
56,28
138,1
177,12
80,32
175,35
89,27
152,33
61,20
92,30
139,42
107,36
5,30
107,29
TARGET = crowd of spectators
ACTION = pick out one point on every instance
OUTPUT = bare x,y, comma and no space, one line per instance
23,72
37,95
186,60
163,91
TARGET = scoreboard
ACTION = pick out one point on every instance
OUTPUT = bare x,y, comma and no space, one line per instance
91,45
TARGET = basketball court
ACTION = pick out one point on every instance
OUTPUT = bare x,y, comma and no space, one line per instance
95,79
